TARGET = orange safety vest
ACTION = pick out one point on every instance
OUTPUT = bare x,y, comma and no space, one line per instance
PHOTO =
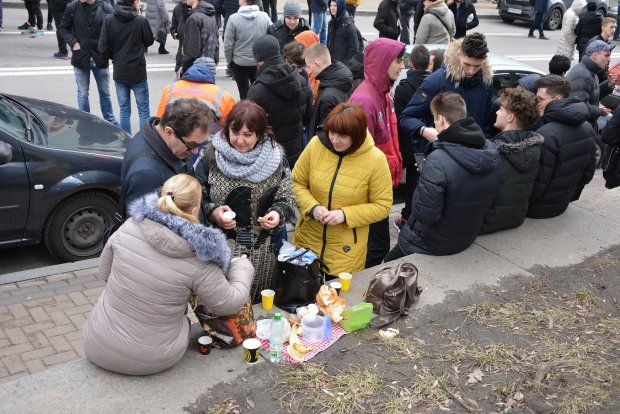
314,84
220,101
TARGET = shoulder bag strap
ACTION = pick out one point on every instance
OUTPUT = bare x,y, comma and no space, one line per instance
442,22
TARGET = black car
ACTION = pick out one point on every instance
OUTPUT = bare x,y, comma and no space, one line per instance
59,177
511,10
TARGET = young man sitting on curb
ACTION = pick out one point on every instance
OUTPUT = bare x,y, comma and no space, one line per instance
457,185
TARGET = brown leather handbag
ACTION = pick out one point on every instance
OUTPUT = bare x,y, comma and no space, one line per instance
392,291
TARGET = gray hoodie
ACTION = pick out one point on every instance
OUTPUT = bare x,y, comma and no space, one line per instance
242,30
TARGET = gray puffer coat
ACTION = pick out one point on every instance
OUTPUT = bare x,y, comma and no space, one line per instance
152,265
157,16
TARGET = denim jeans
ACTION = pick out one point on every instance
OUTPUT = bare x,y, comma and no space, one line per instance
319,26
141,93
102,77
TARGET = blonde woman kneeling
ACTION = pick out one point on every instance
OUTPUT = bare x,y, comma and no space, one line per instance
152,264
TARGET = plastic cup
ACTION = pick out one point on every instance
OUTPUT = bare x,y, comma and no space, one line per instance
229,215
267,298
204,345
336,285
251,350
345,280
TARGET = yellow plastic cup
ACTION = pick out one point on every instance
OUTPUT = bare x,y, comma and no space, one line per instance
267,298
345,281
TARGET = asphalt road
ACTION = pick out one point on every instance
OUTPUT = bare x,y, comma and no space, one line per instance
28,68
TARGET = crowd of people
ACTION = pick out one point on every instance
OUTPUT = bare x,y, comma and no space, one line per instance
311,145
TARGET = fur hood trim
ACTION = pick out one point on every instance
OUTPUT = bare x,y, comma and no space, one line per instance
454,69
510,147
209,243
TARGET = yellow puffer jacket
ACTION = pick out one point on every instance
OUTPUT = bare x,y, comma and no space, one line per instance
360,184
355,3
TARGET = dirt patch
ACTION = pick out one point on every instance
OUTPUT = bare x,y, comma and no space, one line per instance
549,344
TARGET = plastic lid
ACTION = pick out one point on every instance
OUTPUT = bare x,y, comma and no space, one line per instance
277,316
327,329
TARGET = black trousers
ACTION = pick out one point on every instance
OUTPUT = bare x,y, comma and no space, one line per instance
244,76
57,14
411,181
273,13
378,242
350,9
50,15
35,17
395,253
405,28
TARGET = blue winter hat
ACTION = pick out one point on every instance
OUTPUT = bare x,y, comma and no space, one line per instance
599,46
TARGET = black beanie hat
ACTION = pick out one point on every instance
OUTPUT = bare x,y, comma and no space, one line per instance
591,6
266,47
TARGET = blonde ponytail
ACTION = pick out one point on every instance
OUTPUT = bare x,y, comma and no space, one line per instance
179,195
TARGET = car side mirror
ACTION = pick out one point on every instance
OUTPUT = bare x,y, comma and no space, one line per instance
6,153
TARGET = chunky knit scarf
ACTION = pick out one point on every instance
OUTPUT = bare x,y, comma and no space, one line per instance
254,166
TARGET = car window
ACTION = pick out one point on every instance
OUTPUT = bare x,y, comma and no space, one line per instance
11,121
72,130
501,81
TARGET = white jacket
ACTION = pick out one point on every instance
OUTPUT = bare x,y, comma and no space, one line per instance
566,44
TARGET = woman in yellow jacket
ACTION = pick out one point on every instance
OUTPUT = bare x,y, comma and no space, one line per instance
342,183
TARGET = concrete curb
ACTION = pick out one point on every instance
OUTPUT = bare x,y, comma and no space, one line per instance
48,271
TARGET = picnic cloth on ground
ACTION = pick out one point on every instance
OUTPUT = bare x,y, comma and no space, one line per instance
337,332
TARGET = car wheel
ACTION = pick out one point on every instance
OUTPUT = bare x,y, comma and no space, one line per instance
74,230
507,19
554,21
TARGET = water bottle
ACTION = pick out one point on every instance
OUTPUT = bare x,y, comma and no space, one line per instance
276,339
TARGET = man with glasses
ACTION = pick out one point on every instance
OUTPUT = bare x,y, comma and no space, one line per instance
383,61
163,146
568,153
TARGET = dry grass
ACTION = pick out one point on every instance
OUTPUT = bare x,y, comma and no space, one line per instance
568,349
228,406
309,387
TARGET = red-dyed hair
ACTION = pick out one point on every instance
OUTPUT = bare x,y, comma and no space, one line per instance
250,114
347,119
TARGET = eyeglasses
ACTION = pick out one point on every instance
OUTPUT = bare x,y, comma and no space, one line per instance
189,148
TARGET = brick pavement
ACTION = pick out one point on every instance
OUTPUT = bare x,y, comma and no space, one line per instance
41,321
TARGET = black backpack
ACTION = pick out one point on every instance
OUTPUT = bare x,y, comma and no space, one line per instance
356,63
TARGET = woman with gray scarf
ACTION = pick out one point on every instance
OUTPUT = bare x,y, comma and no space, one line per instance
247,188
